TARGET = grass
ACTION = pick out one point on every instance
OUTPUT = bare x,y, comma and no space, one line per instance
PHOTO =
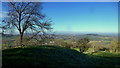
107,59
54,57
77,49
106,54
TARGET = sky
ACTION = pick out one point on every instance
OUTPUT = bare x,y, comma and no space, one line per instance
81,16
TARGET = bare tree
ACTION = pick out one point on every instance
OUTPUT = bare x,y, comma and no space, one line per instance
26,16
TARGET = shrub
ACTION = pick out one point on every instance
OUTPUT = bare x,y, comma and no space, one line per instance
83,44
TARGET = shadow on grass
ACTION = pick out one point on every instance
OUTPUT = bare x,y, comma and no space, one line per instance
54,57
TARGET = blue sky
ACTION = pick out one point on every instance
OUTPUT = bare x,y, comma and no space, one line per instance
81,16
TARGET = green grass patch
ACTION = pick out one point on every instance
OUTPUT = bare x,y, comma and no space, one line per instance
77,49
106,54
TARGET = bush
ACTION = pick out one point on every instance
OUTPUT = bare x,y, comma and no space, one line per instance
83,44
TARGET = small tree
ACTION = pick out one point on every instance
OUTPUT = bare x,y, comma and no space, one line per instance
96,45
115,46
83,44
26,16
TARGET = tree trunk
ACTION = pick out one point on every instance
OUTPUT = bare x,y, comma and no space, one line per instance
21,39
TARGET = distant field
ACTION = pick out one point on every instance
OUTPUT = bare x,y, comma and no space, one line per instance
57,57
9,40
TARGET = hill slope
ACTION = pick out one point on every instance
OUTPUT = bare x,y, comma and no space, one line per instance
47,57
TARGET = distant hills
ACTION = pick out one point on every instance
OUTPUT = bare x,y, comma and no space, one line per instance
72,34
93,34
7,35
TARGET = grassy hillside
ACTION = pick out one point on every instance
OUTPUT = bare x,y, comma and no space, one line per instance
53,57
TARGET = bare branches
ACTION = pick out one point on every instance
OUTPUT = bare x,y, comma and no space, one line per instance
27,16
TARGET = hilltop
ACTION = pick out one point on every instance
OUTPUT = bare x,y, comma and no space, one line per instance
52,57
